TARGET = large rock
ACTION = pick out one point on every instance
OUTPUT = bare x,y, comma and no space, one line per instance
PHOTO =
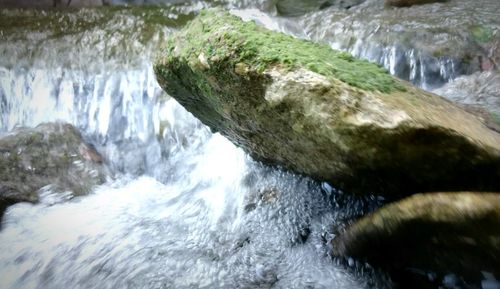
51,154
323,113
457,232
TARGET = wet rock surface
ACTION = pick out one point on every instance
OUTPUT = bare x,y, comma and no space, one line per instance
445,232
365,132
53,155
479,91
51,3
54,38
479,94
402,3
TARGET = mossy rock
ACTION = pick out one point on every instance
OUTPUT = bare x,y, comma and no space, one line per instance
481,34
443,232
324,113
50,154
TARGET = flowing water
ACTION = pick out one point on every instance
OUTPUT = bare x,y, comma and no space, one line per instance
186,208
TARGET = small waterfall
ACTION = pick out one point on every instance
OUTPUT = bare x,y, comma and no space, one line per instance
98,78
187,209
410,64
412,44
113,108
423,70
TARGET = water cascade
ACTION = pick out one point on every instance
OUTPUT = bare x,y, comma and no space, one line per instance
185,208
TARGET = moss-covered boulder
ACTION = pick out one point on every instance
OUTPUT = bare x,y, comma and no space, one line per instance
51,154
324,113
444,232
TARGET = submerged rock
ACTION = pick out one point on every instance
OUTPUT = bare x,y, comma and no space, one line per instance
324,113
457,232
51,154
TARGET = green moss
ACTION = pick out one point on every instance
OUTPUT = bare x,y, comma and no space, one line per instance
219,35
481,34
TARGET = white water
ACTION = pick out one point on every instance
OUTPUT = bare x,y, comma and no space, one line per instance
206,226
112,107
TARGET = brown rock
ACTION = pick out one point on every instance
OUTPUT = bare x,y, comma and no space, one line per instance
457,232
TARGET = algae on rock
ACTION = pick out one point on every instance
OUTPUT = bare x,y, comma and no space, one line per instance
324,113
228,39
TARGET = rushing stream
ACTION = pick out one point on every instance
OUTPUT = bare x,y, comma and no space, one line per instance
185,208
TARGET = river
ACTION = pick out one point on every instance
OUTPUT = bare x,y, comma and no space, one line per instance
185,208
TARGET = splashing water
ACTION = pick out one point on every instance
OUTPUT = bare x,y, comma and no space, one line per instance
228,223
218,220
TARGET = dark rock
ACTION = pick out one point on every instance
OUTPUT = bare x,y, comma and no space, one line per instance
51,154
443,232
324,113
